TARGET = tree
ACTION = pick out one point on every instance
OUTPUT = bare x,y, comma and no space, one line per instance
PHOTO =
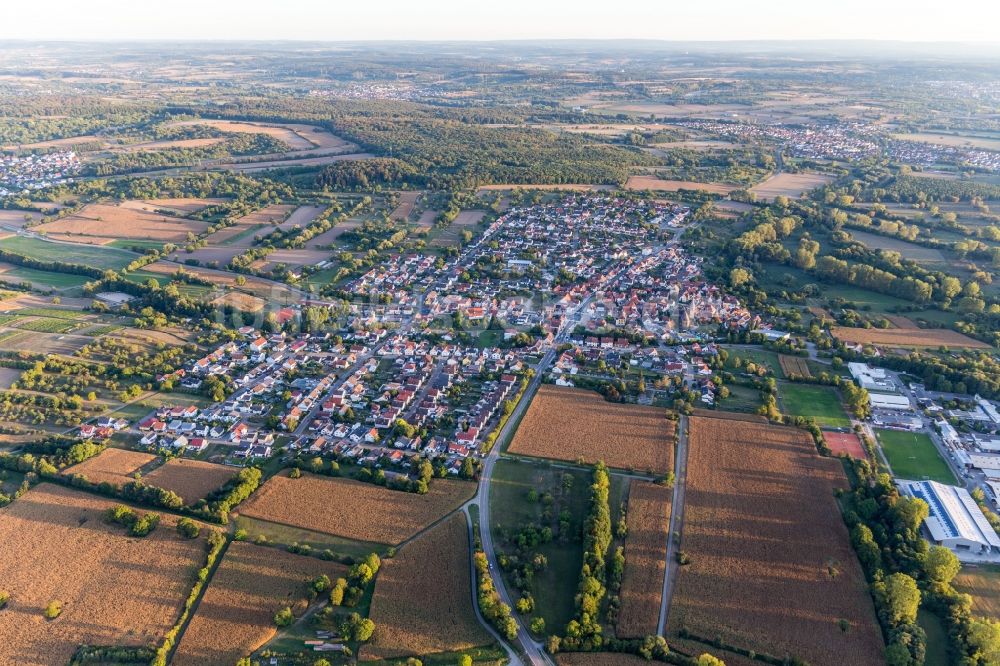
902,598
708,660
187,528
363,630
284,617
465,660
53,609
941,565
984,638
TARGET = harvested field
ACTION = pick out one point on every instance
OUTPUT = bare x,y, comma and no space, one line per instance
298,257
266,220
251,167
899,321
179,206
794,366
574,187
301,217
46,343
792,185
61,144
661,185
599,659
423,597
115,589
236,615
906,250
427,219
150,146
954,140
845,443
982,582
258,287
407,200
648,518
906,337
107,221
468,218
115,466
325,239
240,301
352,509
574,424
772,568
18,218
284,133
191,479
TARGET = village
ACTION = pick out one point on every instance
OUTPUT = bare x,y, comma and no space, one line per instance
36,171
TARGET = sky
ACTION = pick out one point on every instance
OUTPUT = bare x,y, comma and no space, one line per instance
337,20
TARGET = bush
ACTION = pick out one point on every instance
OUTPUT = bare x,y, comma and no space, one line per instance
4,598
284,617
53,610
188,529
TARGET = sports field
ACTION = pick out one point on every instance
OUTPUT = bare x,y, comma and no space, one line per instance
912,455
817,402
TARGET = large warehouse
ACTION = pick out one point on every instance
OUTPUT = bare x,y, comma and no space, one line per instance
955,520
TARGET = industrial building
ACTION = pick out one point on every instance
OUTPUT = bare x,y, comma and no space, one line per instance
954,521
889,401
870,378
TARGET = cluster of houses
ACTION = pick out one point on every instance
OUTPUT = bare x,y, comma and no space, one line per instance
33,172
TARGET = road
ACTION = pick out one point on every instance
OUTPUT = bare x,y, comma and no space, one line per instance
676,521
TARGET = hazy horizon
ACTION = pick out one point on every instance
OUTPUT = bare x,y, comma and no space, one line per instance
919,21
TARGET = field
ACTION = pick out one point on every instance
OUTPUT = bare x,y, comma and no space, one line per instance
115,589
299,138
794,366
955,140
97,257
906,250
648,517
179,206
771,567
191,479
982,583
599,659
913,456
661,185
407,200
845,443
903,337
265,220
817,402
235,617
573,424
103,223
115,466
301,217
423,597
352,509
554,588
792,185
240,301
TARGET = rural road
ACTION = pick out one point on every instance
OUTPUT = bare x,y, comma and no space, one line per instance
676,520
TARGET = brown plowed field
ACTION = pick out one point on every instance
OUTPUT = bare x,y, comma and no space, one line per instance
108,221
116,466
423,597
236,615
906,337
352,509
191,479
772,568
574,424
648,518
115,589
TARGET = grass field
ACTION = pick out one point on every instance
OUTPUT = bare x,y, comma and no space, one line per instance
554,588
937,639
817,402
98,257
759,357
914,456
13,273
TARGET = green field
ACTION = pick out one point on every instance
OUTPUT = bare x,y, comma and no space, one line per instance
914,456
817,402
51,313
128,244
98,257
741,399
937,639
758,356
44,278
47,325
554,588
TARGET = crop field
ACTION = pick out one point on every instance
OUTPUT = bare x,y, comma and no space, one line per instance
191,479
115,589
791,185
119,222
301,217
407,200
352,509
240,301
794,366
845,443
982,583
817,402
266,219
574,424
662,185
599,659
648,519
903,337
115,466
297,137
45,325
236,615
771,567
46,343
185,206
423,597
98,257
16,218
913,456
955,140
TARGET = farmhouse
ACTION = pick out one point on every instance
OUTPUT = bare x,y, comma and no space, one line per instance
955,520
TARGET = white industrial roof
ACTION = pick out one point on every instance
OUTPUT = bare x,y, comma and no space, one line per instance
953,513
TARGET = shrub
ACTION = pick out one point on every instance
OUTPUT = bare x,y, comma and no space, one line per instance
53,610
188,529
4,598
284,617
